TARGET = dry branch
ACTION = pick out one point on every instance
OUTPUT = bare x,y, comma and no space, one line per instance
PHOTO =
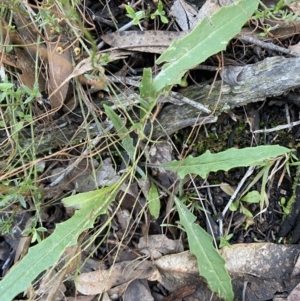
271,77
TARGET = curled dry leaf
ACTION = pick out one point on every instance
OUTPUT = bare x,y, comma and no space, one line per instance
208,8
106,175
25,55
60,67
156,245
138,290
102,280
82,179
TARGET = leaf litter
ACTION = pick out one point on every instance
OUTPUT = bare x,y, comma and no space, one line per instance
121,266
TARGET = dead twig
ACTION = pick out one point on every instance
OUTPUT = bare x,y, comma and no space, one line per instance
268,45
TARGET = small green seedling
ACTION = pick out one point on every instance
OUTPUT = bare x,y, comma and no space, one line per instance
135,16
34,231
285,206
224,241
160,13
251,197
279,12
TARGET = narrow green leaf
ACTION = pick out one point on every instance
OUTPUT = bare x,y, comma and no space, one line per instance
147,93
123,132
146,85
18,126
6,86
210,36
263,187
210,263
226,160
153,201
48,252
246,212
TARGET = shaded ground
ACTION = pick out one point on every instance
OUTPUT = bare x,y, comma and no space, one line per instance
48,132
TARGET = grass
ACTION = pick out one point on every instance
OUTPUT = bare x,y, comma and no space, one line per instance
26,179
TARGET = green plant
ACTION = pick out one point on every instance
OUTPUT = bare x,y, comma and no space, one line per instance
209,37
284,205
278,12
201,166
6,225
160,13
250,198
224,241
191,201
34,231
137,16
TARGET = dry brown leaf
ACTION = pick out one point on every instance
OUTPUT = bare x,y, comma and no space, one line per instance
227,188
60,67
86,298
156,245
184,14
295,7
145,41
208,8
138,290
27,66
283,29
295,47
59,64
124,218
102,280
24,58
90,63
52,287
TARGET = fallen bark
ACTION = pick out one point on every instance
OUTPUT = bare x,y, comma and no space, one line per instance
241,85
271,77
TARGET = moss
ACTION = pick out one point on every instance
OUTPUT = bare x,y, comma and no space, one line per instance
217,143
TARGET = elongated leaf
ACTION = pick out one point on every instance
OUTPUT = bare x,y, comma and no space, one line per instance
226,160
123,132
147,93
210,36
48,252
154,201
211,265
